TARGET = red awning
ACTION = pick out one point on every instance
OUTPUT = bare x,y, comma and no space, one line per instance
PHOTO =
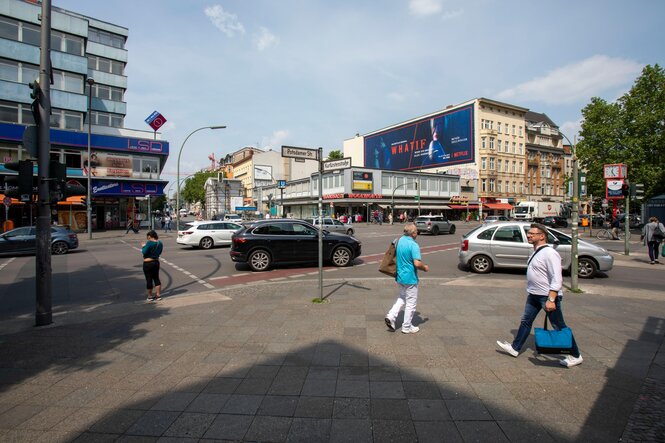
498,206
463,206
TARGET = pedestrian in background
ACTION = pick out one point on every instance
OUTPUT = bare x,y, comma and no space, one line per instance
652,235
152,250
543,286
408,260
167,222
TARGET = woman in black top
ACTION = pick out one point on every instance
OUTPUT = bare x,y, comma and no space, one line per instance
151,251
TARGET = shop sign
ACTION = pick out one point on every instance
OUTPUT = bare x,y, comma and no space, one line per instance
126,188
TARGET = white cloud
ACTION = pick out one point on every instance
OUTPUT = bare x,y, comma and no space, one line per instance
265,39
225,21
571,129
275,140
425,7
448,15
575,82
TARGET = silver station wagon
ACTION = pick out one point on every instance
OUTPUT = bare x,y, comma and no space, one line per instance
504,245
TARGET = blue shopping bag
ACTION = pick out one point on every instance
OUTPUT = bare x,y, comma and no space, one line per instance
549,341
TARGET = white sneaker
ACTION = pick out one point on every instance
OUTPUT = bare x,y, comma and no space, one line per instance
390,323
411,330
571,361
507,347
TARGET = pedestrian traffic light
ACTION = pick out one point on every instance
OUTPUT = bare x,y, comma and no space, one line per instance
625,190
19,186
58,182
36,90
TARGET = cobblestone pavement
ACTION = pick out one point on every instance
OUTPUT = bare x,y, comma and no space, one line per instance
264,363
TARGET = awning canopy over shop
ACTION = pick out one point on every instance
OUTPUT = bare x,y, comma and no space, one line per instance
75,200
498,206
463,206
422,206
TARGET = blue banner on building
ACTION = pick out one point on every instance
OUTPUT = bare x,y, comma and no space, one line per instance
127,188
441,140
60,137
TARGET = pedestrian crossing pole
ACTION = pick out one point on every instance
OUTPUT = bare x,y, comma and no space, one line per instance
626,245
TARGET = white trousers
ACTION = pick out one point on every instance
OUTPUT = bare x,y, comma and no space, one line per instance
408,297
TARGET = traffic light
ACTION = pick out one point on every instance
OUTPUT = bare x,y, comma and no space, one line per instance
57,189
625,190
637,191
19,186
36,96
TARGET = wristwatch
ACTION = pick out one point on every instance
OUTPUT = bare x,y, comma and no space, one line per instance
550,299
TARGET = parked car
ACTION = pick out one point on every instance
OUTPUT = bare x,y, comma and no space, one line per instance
504,245
434,224
495,218
24,241
332,225
265,243
207,234
555,222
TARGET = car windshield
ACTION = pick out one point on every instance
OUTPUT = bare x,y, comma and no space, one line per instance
521,209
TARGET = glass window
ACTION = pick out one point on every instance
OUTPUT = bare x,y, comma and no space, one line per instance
9,70
30,34
8,155
483,162
509,234
29,73
486,235
8,28
72,83
9,112
73,120
299,229
73,159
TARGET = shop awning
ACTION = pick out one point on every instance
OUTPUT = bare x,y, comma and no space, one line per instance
75,200
463,206
498,206
423,206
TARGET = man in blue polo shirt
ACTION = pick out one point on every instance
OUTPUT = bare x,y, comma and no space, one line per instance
407,257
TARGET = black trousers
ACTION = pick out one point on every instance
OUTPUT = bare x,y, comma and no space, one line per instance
151,272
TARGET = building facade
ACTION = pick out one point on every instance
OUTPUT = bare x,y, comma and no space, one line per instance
88,57
546,163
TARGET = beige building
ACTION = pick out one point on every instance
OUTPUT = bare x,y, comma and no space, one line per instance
546,160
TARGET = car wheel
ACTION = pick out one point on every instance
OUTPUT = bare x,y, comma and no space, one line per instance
206,243
341,256
452,229
349,232
435,230
59,248
481,264
259,260
586,268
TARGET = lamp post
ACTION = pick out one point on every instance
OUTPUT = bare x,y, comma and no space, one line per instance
90,82
392,204
177,196
574,265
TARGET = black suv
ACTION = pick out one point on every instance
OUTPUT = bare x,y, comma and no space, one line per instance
264,243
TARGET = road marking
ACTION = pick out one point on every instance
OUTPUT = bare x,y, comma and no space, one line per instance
6,263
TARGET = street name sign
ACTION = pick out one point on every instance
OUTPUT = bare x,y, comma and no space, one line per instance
333,165
303,153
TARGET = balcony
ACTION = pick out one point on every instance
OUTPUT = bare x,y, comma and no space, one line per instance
487,131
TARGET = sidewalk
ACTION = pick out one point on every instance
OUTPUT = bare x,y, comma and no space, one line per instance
264,363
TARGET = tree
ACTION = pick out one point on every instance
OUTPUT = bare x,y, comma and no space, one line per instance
335,155
193,191
630,131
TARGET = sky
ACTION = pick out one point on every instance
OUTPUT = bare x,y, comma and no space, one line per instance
312,73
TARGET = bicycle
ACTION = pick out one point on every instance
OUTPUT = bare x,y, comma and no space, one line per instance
607,234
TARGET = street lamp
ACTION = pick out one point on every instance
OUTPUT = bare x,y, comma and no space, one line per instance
177,196
90,82
392,207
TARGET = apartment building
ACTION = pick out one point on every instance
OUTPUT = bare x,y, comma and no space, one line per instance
546,169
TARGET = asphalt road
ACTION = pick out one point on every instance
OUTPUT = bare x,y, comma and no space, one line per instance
109,269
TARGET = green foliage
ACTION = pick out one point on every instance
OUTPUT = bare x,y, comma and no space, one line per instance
335,155
630,131
193,190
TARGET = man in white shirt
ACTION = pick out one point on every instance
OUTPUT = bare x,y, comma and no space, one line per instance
543,287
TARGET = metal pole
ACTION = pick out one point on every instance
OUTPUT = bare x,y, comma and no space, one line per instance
320,223
43,314
626,227
90,82
574,265
177,195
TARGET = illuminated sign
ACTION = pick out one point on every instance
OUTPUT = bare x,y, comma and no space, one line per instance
440,140
127,188
362,181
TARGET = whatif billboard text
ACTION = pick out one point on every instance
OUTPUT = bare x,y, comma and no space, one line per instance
440,140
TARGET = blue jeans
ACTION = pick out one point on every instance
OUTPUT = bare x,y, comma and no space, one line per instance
534,303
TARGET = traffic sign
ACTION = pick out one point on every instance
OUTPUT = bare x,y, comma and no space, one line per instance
155,120
332,165
303,153
7,201
281,184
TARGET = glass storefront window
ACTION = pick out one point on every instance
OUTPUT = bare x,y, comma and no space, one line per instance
8,155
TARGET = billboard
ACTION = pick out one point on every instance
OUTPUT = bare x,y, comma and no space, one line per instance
441,140
262,173
362,181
